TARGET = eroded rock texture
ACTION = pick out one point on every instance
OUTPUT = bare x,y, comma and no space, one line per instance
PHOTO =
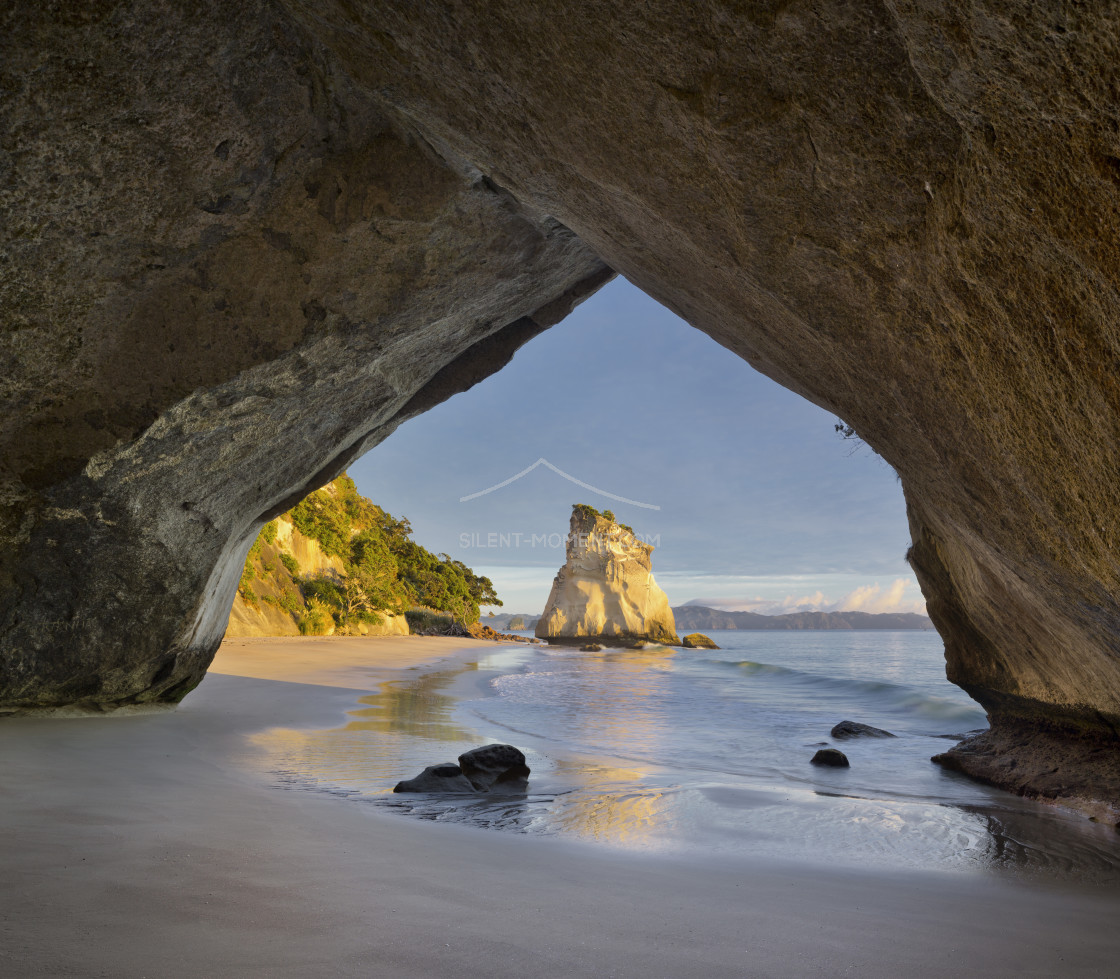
605,592
227,272
242,239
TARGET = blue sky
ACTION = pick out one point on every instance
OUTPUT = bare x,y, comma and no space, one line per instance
753,500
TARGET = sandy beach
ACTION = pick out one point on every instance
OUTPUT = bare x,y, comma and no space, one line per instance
148,845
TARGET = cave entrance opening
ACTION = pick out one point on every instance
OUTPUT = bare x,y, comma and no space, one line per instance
752,499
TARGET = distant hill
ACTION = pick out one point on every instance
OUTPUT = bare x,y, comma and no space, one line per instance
510,620
700,617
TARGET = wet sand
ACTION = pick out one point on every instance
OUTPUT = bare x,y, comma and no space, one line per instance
148,845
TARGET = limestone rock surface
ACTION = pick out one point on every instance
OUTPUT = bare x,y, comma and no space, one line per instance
697,640
905,212
228,271
605,592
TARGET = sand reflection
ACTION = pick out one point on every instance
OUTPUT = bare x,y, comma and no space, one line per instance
403,727
611,805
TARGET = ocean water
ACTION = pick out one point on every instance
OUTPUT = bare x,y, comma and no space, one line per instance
677,750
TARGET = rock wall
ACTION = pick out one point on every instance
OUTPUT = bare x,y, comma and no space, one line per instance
605,591
228,271
243,241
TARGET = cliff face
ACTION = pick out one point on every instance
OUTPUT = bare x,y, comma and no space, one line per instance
275,601
234,262
605,591
269,602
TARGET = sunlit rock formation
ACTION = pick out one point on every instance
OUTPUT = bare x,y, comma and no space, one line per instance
697,640
274,605
235,261
265,618
605,591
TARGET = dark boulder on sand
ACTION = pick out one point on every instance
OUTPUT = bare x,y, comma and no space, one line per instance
853,729
495,766
830,757
438,778
492,766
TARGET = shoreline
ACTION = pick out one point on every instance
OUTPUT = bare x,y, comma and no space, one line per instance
142,845
336,660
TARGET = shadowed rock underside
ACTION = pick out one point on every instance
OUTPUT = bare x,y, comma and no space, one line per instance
245,240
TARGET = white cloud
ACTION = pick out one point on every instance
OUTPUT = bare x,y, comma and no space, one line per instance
900,596
873,598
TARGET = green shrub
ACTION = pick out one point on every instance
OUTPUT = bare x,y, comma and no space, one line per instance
287,602
428,620
268,531
291,564
317,621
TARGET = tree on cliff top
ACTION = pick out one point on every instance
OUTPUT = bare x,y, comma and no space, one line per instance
587,512
385,570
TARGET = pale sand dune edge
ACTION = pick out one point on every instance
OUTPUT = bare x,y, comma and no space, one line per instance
137,846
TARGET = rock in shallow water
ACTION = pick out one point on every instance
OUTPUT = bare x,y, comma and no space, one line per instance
490,767
697,640
853,729
605,592
438,778
830,757
495,766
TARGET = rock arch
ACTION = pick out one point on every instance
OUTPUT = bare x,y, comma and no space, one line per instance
245,240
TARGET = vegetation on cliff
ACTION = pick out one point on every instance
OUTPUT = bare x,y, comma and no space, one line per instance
588,513
374,567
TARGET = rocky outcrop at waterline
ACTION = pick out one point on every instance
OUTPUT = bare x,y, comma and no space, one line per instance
697,640
605,593
1081,773
490,768
233,263
853,729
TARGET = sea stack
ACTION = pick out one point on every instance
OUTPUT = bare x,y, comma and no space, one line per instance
605,591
